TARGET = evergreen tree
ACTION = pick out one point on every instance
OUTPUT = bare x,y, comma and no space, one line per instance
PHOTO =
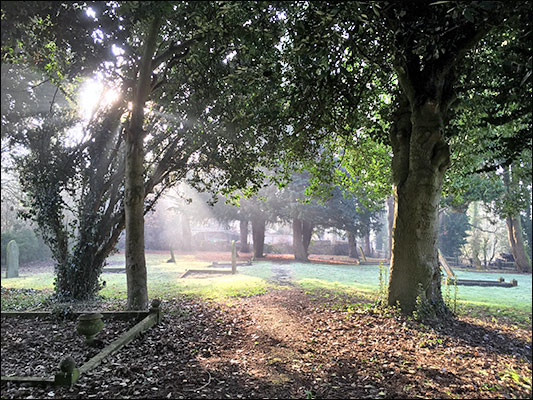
453,232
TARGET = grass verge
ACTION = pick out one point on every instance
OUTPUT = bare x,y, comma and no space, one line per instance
33,290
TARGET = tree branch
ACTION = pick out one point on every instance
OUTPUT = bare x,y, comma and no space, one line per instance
171,52
53,100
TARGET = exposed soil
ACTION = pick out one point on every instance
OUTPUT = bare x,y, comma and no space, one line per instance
292,344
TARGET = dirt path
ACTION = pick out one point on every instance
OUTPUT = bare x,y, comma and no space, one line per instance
289,343
311,347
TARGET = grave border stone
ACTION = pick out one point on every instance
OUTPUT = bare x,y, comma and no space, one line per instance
61,378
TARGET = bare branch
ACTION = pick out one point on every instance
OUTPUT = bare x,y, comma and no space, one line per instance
53,100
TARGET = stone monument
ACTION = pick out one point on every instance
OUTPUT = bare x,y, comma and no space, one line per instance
233,257
12,258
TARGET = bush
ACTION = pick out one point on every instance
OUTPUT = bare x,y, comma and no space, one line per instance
31,246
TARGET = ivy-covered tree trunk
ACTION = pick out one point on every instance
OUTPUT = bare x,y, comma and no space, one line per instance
420,160
134,181
81,243
352,246
243,225
79,278
258,236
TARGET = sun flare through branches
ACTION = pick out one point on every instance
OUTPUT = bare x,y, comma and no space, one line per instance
93,94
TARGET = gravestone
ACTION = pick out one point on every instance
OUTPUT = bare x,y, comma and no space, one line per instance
233,257
363,257
12,258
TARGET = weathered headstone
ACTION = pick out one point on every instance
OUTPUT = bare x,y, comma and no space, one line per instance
363,257
12,258
233,257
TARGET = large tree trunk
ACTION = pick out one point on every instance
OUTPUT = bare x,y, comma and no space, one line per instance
352,246
475,242
134,181
258,236
421,157
390,218
514,227
527,223
134,208
243,225
368,248
307,233
420,160
298,245
516,241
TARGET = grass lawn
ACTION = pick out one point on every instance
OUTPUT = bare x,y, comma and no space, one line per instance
164,282
365,278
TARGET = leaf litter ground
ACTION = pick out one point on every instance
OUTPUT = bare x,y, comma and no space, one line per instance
44,342
290,343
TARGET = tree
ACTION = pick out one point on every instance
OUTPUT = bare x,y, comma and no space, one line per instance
512,183
452,232
497,126
134,174
243,230
74,196
335,208
257,210
428,44
425,60
199,119
527,224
